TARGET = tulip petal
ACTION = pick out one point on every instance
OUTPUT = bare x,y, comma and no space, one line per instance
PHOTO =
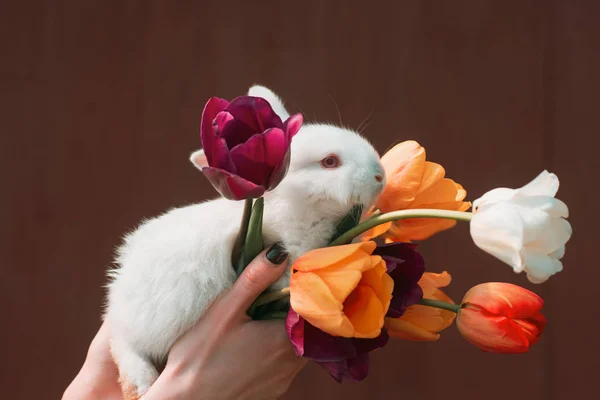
395,254
355,369
312,300
232,187
432,174
271,148
404,166
499,231
292,125
221,158
542,231
373,277
219,150
552,235
332,256
429,318
540,266
294,326
279,171
386,297
553,207
339,356
213,107
558,253
401,302
256,158
256,112
365,311
315,344
375,232
492,333
417,229
461,193
444,191
222,119
545,184
402,329
405,266
499,298
368,345
382,284
493,197
532,327
431,280
236,132
340,282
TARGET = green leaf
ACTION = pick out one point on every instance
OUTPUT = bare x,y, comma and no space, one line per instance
349,221
254,238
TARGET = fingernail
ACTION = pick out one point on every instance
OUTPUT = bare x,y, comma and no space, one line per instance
277,253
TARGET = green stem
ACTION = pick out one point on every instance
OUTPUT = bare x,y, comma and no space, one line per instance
241,238
254,237
272,296
396,216
440,304
285,292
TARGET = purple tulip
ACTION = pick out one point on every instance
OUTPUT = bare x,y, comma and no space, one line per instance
406,266
343,358
246,145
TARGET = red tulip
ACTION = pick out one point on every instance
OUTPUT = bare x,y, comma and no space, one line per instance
501,318
246,146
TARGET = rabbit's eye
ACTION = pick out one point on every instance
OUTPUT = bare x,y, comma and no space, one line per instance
331,161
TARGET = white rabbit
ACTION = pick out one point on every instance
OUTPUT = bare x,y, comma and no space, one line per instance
173,266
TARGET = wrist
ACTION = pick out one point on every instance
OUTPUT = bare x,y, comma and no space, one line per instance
83,386
172,383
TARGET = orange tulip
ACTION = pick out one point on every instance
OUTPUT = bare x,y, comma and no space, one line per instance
342,290
422,323
414,183
501,317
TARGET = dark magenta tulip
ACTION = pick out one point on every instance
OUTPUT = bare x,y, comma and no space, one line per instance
406,266
246,145
343,358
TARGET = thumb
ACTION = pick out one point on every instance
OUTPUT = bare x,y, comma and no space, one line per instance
263,271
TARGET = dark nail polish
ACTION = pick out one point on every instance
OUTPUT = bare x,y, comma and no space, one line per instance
277,253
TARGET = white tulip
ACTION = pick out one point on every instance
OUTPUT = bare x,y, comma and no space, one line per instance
524,227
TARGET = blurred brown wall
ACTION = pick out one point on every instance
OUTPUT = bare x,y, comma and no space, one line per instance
100,104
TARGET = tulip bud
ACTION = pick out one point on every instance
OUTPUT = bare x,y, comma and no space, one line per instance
246,146
501,318
526,227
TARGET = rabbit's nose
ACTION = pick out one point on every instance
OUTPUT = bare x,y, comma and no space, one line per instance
379,178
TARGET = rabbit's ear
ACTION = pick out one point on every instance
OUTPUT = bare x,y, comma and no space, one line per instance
272,98
198,158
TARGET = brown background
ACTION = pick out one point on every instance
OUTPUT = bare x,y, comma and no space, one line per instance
100,103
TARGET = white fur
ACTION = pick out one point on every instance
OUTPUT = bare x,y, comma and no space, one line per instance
173,266
276,103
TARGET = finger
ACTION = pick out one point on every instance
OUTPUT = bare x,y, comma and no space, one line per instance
263,271
100,346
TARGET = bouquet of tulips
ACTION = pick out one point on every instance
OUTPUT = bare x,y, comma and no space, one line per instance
370,283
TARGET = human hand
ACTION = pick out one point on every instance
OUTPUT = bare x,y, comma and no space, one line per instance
98,377
226,355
